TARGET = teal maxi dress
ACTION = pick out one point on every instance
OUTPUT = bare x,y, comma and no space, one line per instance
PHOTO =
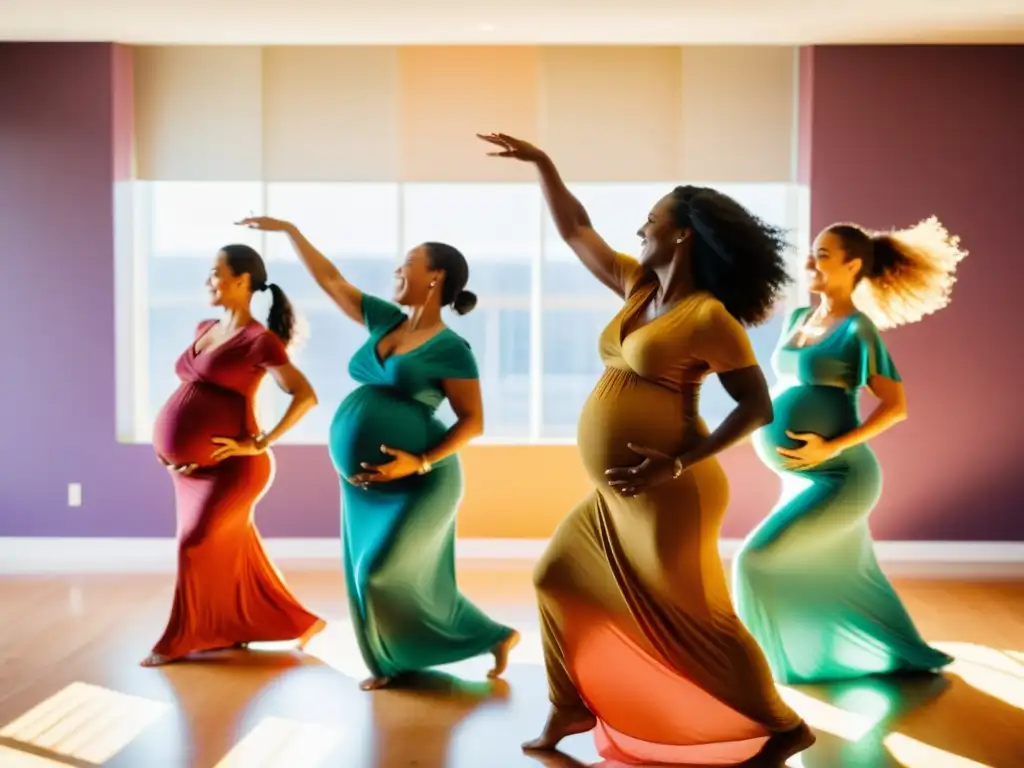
806,581
398,537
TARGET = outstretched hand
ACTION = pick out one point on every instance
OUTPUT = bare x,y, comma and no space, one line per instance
265,223
517,149
815,450
656,468
401,465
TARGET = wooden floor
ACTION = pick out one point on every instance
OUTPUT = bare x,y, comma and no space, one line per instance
71,693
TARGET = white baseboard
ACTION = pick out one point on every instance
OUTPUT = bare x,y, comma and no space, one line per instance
919,559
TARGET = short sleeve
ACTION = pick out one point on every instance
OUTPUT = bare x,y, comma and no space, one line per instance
459,361
722,342
874,358
268,351
380,315
626,273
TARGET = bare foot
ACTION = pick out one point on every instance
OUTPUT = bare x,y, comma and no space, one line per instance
501,652
312,632
562,723
375,683
781,747
155,660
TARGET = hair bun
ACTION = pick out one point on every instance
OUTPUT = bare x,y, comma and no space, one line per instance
464,302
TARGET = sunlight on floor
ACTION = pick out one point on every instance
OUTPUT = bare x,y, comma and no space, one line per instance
999,674
996,673
276,741
826,717
13,758
85,722
337,647
914,754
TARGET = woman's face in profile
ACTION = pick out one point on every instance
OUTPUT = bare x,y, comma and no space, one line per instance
827,267
659,234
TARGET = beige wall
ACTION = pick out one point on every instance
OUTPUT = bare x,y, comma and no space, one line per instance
606,113
409,114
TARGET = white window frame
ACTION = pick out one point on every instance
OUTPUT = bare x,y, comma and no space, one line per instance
132,305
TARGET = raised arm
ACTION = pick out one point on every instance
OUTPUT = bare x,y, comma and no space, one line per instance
570,216
348,298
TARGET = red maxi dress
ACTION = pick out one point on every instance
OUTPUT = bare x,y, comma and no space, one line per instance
228,591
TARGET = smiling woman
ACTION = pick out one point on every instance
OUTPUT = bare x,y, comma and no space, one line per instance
806,580
207,435
398,466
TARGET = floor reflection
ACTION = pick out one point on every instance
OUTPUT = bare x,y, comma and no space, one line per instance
72,693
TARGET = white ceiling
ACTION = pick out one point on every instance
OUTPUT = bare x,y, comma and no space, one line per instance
339,22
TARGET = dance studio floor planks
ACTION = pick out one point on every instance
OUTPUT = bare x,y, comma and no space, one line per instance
71,693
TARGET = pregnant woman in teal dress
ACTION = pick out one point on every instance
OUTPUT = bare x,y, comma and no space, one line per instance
401,477
807,583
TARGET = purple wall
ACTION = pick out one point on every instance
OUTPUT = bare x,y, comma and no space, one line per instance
895,134
58,107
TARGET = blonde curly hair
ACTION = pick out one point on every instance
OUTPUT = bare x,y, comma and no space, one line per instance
906,273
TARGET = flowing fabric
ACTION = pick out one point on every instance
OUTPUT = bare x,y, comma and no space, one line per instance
807,583
636,619
227,591
399,537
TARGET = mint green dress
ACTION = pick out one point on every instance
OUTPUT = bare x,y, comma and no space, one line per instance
806,581
398,538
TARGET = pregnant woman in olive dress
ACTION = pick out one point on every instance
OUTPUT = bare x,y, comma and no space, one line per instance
228,592
807,583
640,638
400,474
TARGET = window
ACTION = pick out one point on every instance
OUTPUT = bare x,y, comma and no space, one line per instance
356,226
497,228
576,306
178,228
534,331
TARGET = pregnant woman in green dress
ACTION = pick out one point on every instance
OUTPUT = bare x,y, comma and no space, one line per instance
401,478
807,583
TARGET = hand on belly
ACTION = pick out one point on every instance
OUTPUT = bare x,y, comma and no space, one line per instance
653,468
812,451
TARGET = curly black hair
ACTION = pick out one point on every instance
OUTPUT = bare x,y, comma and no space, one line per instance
737,257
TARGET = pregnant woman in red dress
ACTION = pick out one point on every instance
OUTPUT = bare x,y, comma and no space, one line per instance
228,592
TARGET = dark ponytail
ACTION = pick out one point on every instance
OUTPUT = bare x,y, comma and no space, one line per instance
281,319
245,260
887,255
450,260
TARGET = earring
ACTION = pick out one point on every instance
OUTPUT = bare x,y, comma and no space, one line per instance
679,241
433,283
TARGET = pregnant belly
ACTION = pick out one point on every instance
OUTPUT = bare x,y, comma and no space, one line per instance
623,409
825,411
196,413
374,416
